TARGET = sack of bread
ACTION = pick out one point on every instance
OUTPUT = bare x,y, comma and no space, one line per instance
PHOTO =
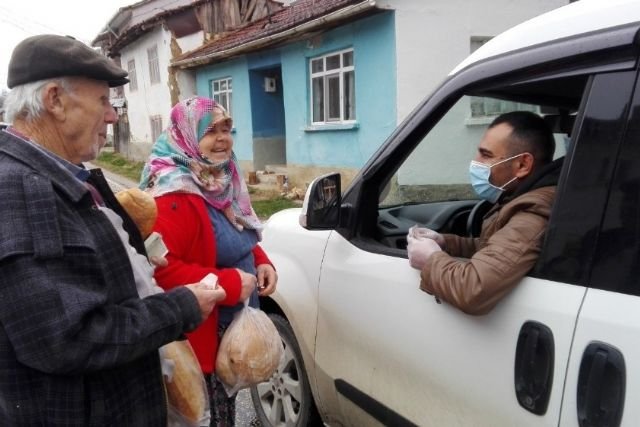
249,352
186,388
141,207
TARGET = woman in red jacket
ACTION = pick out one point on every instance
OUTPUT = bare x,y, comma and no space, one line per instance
207,223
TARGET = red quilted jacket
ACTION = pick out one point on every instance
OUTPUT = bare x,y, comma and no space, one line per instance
188,233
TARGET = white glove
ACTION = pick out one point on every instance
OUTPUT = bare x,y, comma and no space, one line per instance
420,250
427,233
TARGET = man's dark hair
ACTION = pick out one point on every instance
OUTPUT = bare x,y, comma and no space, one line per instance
530,134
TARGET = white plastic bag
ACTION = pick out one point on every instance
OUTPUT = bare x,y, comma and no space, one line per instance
249,352
187,395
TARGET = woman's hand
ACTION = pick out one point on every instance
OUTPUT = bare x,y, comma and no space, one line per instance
248,284
267,279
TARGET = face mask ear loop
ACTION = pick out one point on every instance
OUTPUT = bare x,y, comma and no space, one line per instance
508,182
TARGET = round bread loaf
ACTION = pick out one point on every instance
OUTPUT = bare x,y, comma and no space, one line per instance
141,207
186,389
249,352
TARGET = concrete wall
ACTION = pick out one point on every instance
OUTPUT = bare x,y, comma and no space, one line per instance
432,37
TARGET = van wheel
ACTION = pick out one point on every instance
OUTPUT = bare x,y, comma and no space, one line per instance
286,399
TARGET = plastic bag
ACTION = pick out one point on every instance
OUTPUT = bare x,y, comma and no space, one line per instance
187,396
249,352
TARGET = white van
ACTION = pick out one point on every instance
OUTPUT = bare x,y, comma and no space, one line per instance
366,347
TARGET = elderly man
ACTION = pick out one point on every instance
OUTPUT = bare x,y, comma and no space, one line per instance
513,168
78,346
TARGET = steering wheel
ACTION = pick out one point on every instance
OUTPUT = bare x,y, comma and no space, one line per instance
474,220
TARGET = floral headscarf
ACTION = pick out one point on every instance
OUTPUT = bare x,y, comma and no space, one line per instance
176,165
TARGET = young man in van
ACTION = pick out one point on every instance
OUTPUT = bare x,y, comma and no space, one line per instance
513,170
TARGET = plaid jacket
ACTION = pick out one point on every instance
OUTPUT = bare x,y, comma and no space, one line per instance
77,345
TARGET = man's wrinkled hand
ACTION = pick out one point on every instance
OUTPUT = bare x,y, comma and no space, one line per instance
420,250
207,296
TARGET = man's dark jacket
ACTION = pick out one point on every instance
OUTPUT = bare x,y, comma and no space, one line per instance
77,345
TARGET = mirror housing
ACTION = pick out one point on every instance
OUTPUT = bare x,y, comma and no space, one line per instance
321,206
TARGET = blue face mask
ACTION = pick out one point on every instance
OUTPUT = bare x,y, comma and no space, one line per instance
479,174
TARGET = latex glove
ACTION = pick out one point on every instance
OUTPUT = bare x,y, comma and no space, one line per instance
427,233
420,250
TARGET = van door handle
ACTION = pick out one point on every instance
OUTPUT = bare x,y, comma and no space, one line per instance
533,374
601,386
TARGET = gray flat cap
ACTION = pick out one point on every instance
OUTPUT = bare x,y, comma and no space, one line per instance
48,56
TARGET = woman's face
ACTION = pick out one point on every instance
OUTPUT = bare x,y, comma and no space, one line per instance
216,145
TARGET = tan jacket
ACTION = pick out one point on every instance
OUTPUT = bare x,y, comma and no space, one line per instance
506,250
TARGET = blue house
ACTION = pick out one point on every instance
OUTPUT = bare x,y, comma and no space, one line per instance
317,86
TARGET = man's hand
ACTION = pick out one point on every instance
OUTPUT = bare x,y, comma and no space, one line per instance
267,279
207,297
420,250
427,233
249,282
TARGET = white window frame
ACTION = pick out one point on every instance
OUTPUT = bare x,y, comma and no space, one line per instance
133,79
347,114
156,127
154,64
222,92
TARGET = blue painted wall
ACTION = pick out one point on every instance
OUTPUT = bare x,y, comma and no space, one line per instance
241,105
373,41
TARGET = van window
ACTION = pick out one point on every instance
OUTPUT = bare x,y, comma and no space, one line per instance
437,169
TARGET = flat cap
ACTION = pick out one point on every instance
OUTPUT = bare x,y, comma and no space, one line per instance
48,56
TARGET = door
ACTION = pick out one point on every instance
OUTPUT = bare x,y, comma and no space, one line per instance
602,379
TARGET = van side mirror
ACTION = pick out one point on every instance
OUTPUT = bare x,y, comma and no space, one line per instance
321,206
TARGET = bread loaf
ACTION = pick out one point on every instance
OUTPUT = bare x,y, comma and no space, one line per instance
185,389
141,207
249,351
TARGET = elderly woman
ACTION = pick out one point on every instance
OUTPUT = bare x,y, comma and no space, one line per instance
208,224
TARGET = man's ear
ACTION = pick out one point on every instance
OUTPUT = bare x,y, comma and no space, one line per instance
53,102
524,165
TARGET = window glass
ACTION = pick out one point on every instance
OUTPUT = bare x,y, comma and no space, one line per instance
347,58
332,86
156,127
222,93
334,97
333,62
317,65
133,81
616,266
437,169
154,65
318,99
349,96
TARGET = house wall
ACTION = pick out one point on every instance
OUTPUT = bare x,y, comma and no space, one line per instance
432,38
400,57
373,42
153,99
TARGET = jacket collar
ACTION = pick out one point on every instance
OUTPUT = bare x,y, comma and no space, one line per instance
36,160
